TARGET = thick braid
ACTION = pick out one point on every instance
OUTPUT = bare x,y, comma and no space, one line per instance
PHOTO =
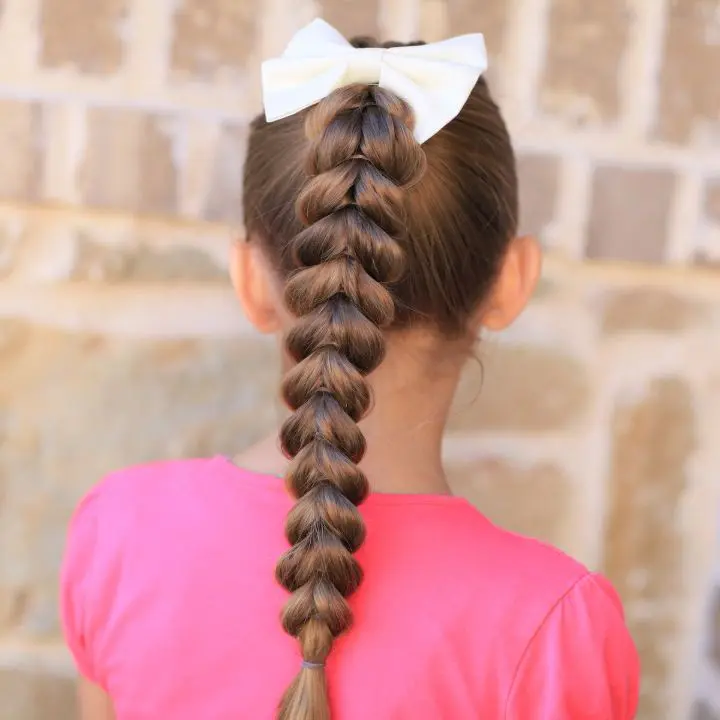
362,156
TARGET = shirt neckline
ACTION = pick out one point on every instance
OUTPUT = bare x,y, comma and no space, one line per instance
275,483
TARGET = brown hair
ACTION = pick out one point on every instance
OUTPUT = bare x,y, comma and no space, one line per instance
371,231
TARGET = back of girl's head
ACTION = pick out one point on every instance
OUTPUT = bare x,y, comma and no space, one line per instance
370,232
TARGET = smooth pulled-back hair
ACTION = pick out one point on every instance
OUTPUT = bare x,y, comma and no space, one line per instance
371,232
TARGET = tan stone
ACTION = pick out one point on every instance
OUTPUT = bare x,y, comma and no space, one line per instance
83,33
21,137
101,262
30,695
648,310
489,18
545,288
689,88
224,202
520,388
129,162
213,34
629,214
9,242
13,605
353,18
653,440
712,201
538,176
13,336
585,46
75,406
532,501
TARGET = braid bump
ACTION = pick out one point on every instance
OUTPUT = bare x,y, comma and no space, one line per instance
362,156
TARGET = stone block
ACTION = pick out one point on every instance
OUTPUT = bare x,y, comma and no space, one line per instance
585,47
648,310
538,176
653,440
703,710
85,34
521,388
489,17
629,214
96,261
713,644
9,248
22,139
353,18
224,202
129,163
35,695
213,35
712,201
689,89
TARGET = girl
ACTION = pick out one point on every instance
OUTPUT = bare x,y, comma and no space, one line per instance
381,209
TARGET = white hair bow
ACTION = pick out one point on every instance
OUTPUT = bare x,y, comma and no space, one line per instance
435,79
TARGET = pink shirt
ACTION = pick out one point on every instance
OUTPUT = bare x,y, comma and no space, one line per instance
169,603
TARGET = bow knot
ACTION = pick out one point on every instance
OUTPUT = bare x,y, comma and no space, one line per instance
365,66
434,79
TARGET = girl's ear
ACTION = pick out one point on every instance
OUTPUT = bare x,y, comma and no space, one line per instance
514,285
253,282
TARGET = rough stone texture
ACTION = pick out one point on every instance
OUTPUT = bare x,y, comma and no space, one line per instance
129,163
533,501
28,695
712,201
135,400
353,18
21,137
620,229
224,203
520,388
9,243
689,88
545,288
489,18
139,263
653,440
213,34
702,710
83,33
586,44
648,310
713,647
538,176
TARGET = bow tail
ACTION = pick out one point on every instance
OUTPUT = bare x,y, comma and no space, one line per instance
436,92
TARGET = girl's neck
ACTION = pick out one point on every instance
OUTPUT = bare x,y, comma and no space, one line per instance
404,429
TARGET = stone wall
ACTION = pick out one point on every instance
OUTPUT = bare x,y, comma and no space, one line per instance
122,124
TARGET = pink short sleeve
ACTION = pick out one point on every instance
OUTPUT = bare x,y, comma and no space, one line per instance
582,663
76,584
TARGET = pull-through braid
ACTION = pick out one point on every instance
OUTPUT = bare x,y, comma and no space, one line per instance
362,156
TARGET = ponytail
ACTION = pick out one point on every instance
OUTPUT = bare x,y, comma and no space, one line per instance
362,155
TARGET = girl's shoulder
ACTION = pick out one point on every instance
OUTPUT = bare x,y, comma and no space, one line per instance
127,494
566,644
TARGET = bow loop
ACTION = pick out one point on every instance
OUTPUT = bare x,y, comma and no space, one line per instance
435,79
